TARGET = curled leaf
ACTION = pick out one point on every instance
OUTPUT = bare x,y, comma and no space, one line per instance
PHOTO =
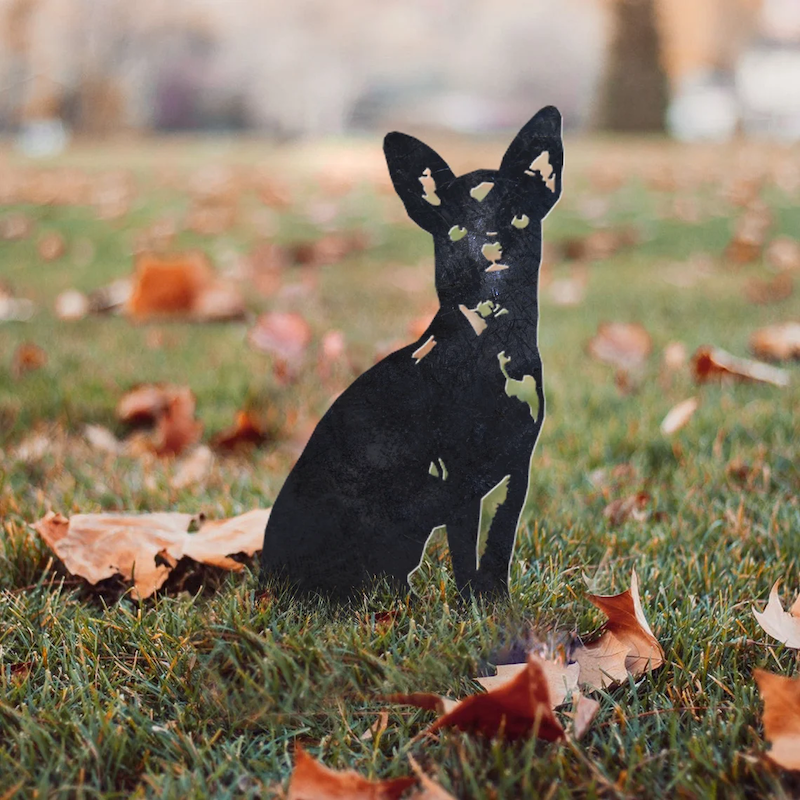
781,625
518,708
627,623
712,363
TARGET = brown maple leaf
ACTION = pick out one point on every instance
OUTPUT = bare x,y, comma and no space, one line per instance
145,548
312,780
627,624
518,708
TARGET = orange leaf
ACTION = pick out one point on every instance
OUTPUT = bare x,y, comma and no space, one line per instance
626,622
781,717
518,708
712,363
27,358
171,408
145,548
247,431
182,284
312,780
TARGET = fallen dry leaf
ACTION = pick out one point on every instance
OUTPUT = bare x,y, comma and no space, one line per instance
72,305
145,548
562,679
627,623
430,789
679,415
248,431
624,508
517,708
602,663
170,408
781,625
777,342
712,363
181,284
28,357
312,780
624,344
761,292
781,717
145,403
177,428
285,335
584,710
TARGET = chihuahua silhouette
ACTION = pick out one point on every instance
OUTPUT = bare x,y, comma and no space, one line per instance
422,437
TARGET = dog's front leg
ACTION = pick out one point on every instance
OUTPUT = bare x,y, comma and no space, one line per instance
462,540
492,576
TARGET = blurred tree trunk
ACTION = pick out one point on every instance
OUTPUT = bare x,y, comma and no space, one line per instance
634,93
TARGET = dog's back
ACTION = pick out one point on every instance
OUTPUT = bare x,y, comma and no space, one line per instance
418,440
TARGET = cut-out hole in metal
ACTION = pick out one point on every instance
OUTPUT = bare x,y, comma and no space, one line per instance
456,233
429,188
541,164
424,349
480,191
521,222
524,390
492,252
474,319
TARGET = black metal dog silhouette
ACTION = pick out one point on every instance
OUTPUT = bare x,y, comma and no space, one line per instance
418,440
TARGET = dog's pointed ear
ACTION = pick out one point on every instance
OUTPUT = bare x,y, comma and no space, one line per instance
418,172
536,160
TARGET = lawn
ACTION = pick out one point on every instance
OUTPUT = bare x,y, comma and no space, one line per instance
204,690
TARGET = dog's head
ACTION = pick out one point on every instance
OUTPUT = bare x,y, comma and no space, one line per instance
486,225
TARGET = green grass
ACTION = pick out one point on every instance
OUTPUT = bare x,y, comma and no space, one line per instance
203,693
